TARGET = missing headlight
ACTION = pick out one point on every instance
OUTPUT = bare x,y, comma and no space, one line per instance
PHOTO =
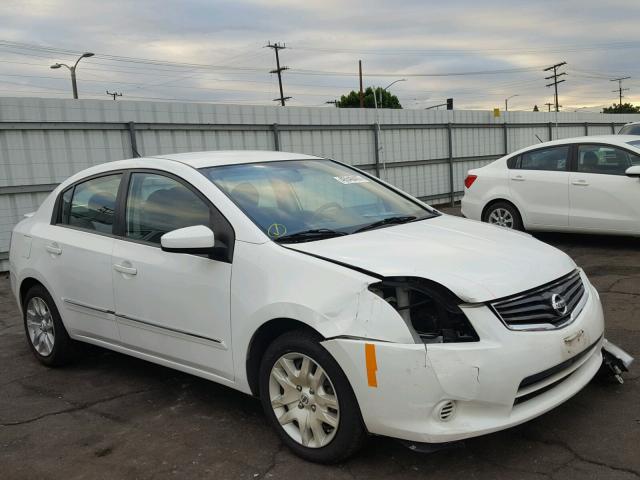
430,309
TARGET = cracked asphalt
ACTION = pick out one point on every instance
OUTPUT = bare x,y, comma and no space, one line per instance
111,416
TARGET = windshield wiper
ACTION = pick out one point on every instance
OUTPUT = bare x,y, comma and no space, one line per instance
308,235
387,221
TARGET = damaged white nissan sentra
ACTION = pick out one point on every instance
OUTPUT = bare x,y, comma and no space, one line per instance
346,305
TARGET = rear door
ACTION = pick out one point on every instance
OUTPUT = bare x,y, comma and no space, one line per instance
602,197
539,183
78,249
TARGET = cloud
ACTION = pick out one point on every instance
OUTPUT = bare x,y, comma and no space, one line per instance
413,36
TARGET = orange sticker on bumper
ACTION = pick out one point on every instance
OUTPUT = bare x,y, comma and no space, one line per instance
372,365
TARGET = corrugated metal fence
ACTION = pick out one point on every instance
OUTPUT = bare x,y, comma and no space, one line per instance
427,153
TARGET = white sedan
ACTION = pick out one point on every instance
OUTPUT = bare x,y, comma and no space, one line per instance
347,306
585,184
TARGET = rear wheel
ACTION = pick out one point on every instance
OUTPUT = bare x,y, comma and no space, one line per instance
309,400
46,335
503,214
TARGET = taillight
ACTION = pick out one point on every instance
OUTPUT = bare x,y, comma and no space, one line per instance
469,180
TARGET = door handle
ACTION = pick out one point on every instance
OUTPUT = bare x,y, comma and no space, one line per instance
518,178
53,248
125,269
580,183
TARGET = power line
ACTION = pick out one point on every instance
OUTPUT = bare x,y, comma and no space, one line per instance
277,47
555,80
620,89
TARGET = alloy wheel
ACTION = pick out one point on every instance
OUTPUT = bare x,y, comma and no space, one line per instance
40,326
304,400
501,217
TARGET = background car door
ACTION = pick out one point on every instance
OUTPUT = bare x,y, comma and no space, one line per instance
175,306
540,185
601,196
78,250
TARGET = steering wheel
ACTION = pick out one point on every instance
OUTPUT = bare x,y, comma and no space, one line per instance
324,208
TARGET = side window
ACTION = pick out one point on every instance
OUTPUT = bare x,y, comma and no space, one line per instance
157,204
91,204
605,159
551,159
511,163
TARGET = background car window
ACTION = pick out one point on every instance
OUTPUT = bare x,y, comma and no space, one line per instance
157,204
605,159
633,129
92,204
553,159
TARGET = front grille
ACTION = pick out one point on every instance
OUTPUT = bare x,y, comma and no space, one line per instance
541,307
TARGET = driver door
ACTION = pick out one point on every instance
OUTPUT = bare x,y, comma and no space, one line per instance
171,305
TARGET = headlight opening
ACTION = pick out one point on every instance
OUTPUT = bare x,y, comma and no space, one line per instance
430,310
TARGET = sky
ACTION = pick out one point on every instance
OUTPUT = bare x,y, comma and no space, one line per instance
477,52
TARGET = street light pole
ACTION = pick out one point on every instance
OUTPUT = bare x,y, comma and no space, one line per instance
74,83
387,87
506,102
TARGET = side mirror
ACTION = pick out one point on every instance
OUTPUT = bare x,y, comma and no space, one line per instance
197,239
633,172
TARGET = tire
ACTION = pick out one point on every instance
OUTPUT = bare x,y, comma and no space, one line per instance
46,335
324,443
503,214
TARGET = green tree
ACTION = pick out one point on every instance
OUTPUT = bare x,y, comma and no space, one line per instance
535,108
352,99
624,108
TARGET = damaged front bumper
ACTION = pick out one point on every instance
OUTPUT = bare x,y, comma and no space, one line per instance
445,392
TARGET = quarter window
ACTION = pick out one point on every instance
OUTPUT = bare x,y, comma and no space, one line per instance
91,204
605,159
157,204
551,159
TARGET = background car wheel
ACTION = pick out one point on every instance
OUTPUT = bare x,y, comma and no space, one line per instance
503,214
309,400
46,335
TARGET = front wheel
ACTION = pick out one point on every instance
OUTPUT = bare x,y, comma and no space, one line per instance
309,400
505,215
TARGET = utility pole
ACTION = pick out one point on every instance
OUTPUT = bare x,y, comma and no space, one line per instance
276,46
555,80
620,89
361,90
114,94
549,105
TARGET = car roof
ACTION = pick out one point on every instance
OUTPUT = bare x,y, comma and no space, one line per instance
618,140
232,157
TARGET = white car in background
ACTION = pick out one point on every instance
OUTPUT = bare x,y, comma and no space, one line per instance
585,184
347,306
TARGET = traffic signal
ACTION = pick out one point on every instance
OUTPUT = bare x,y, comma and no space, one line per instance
449,103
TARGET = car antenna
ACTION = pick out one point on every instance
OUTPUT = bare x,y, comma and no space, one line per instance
539,139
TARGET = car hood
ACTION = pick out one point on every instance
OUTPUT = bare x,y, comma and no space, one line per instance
476,261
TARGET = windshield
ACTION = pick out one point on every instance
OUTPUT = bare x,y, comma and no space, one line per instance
306,200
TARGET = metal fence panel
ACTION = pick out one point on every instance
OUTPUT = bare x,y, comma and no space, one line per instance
425,152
